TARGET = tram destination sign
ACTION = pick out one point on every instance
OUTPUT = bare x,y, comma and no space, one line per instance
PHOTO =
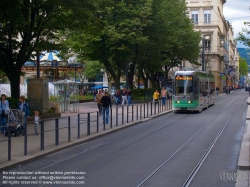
183,78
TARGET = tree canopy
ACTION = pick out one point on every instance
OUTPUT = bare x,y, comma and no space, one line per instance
145,35
244,35
28,27
243,67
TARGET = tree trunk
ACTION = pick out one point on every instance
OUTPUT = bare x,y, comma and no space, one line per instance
117,78
145,80
14,79
131,76
117,82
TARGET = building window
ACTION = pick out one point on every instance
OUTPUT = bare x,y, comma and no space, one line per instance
195,17
207,16
207,45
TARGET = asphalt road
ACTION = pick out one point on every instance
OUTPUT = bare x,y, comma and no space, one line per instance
161,152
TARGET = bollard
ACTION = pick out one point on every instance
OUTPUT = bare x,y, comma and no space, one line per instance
154,108
147,108
151,108
116,116
69,133
56,132
97,122
140,112
42,136
137,112
132,112
122,115
88,125
104,121
25,139
78,126
9,143
159,106
144,111
111,116
127,112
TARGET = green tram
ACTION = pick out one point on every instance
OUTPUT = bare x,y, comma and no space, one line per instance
192,90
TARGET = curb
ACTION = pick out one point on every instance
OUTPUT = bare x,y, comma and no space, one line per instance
244,157
43,153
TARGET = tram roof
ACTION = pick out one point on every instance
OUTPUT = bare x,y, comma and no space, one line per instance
192,73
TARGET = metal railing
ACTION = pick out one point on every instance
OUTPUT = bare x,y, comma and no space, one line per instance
85,122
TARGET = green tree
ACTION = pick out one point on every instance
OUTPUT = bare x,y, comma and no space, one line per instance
30,26
243,67
113,36
171,40
92,69
244,35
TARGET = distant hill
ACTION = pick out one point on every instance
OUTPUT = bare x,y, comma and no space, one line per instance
245,53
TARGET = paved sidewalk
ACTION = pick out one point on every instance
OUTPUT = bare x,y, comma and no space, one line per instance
130,117
243,173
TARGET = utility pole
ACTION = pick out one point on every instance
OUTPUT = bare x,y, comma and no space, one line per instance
202,55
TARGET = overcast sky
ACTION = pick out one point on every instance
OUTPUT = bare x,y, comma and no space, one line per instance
237,12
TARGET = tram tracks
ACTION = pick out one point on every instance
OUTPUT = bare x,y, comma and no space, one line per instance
201,161
115,151
138,140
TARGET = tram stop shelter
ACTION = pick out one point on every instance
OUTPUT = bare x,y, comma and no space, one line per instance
67,95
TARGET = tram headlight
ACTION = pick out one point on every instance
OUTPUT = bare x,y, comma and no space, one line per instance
178,101
189,102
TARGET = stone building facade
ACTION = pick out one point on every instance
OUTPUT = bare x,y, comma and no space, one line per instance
220,52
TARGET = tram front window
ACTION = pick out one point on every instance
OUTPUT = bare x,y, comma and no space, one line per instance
183,85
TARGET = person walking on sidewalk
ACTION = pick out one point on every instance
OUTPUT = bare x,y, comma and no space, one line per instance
4,108
106,103
163,95
98,100
156,97
36,121
117,97
24,107
94,94
124,96
129,94
217,90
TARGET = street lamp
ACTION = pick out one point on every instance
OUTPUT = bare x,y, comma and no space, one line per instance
203,51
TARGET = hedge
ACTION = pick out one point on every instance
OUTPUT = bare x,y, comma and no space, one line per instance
143,94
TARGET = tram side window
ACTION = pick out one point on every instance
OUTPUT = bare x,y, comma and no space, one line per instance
211,87
203,88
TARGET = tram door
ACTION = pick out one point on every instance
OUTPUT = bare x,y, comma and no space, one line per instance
203,93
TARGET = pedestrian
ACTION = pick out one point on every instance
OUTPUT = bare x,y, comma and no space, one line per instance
163,95
217,90
117,97
94,94
227,90
156,97
124,96
24,107
106,103
98,100
36,121
4,108
129,94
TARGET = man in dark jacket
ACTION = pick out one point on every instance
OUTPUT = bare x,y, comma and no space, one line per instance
106,103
